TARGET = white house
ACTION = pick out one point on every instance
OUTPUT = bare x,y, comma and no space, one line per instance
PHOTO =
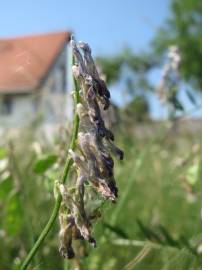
33,79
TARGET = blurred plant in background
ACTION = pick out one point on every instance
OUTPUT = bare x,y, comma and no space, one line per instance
167,89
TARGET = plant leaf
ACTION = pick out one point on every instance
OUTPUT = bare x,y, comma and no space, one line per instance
44,163
191,97
116,230
3,153
5,187
12,221
149,233
168,237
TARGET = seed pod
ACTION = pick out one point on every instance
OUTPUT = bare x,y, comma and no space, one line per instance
65,236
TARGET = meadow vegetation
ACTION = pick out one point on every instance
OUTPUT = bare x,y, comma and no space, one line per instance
156,223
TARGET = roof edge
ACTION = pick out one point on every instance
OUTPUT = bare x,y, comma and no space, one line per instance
36,34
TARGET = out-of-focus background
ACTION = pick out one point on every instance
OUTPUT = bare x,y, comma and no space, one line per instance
150,55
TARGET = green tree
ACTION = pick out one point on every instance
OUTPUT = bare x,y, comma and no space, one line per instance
137,109
139,64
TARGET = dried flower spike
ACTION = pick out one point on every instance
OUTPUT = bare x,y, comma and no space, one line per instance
92,157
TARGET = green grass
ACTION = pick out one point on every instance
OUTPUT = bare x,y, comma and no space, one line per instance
154,225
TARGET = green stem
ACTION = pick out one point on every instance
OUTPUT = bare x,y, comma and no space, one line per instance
56,208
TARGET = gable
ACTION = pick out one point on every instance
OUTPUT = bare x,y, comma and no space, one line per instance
25,61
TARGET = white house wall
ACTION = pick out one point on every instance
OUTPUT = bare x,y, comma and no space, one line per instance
49,102
22,110
54,100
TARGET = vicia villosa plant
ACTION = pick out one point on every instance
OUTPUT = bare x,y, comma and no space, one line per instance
89,160
167,89
92,158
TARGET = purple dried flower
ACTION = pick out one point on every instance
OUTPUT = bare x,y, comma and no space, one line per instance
92,157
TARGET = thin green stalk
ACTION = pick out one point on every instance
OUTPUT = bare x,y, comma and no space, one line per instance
56,208
66,265
140,256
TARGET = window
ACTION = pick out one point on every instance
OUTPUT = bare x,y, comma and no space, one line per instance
6,105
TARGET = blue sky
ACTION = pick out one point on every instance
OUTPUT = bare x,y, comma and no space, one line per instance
107,25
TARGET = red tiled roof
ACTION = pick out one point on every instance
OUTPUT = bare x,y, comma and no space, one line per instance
25,61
